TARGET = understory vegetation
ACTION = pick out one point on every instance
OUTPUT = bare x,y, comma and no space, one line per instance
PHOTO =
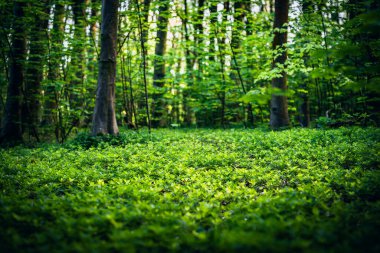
299,190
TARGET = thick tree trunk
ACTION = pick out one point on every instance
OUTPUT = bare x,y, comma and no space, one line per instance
158,108
279,117
104,121
34,71
11,130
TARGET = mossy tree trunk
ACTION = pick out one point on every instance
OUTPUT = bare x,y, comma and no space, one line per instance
34,72
104,120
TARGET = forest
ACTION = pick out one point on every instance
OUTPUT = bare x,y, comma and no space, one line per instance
189,125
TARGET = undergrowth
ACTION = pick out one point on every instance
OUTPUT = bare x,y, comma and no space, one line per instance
194,191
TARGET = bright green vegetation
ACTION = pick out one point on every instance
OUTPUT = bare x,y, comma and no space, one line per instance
195,191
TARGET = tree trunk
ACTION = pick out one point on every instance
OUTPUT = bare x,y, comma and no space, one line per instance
104,121
34,71
57,36
145,29
279,117
11,130
241,8
158,108
198,36
304,108
189,116
213,23
78,61
94,33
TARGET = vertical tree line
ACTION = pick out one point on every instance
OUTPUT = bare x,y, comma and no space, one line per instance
204,63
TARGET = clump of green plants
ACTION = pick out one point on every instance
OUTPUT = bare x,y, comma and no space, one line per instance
85,140
299,190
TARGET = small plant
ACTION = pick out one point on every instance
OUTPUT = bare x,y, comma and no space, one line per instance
324,122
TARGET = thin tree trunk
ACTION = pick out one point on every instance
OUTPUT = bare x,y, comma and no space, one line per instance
56,44
240,7
104,121
132,98
198,36
279,117
92,50
144,63
329,86
78,60
127,118
213,21
11,130
189,114
304,108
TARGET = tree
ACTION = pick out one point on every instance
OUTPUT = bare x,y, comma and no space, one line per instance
188,114
77,64
240,13
104,120
159,66
279,105
35,67
304,108
55,57
11,131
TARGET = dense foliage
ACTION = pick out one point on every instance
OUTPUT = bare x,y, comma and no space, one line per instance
204,63
194,191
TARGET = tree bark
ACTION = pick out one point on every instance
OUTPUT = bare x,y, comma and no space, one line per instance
11,130
198,36
145,29
304,108
158,108
34,71
78,61
189,116
93,40
104,121
241,8
213,23
279,117
56,42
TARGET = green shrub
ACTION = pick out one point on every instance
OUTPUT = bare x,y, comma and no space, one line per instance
299,190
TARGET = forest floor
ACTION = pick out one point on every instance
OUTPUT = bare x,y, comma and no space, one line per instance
299,190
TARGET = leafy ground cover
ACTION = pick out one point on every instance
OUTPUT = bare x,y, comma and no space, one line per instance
195,191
